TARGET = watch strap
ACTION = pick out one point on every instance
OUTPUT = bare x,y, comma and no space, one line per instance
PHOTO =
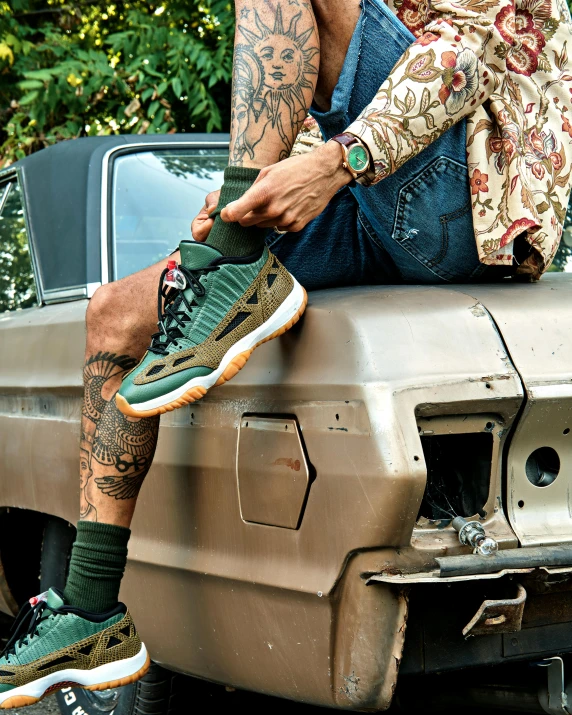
345,139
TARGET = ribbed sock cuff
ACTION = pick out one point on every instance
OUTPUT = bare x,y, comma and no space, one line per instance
232,239
106,536
98,560
237,181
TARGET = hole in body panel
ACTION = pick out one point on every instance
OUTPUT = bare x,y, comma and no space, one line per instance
456,486
542,466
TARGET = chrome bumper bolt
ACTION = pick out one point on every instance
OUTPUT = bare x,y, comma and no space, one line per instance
472,533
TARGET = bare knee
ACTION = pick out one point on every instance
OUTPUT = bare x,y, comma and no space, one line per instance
103,317
115,323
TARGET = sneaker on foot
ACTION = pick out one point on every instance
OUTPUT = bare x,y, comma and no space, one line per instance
54,646
220,310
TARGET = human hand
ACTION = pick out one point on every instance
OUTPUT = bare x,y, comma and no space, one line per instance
290,194
202,224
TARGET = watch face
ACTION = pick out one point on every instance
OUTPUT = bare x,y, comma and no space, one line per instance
358,158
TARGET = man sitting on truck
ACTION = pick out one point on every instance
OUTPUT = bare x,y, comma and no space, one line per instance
447,159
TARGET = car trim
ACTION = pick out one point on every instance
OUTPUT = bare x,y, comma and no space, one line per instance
73,293
91,288
106,269
31,240
5,193
9,176
8,173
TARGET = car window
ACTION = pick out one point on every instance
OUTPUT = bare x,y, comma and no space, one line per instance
17,287
156,195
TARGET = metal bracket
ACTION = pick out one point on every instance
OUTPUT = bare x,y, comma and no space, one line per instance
557,700
498,616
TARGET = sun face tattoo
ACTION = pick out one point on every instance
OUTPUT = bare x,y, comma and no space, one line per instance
118,448
271,84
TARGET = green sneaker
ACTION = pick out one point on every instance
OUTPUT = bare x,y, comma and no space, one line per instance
54,646
216,311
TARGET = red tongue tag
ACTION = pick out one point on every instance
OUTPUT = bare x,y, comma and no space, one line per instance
36,599
174,276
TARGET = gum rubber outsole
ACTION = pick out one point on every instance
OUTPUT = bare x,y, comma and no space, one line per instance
195,393
22,701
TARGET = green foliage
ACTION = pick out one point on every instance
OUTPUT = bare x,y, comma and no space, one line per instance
77,68
563,258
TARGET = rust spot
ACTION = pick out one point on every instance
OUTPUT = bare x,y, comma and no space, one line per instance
392,571
498,615
288,462
495,620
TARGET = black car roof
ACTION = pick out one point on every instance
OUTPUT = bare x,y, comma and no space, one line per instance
62,188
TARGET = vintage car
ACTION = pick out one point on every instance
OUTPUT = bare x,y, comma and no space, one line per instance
377,510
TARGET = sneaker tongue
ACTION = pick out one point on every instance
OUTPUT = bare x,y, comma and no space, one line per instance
54,600
197,255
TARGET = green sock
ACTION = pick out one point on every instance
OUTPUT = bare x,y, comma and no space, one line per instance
232,239
97,563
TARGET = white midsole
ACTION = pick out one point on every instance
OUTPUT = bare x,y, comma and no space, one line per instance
96,676
285,312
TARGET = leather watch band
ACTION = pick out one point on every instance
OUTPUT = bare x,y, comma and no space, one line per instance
345,139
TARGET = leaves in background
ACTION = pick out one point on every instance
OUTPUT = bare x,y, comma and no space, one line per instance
70,68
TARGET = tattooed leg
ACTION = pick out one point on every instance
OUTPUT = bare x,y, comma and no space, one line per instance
276,61
116,451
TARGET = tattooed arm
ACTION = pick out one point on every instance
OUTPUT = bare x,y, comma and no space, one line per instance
276,58
116,451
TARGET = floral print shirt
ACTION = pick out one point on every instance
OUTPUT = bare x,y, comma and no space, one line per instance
503,65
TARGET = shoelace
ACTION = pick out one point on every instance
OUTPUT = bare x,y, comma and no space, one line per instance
25,626
173,308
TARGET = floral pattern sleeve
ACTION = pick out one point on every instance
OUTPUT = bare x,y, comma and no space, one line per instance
504,65
445,75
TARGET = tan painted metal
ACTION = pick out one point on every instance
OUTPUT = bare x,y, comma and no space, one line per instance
282,610
539,341
272,471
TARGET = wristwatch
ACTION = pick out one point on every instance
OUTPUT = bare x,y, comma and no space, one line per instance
355,154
